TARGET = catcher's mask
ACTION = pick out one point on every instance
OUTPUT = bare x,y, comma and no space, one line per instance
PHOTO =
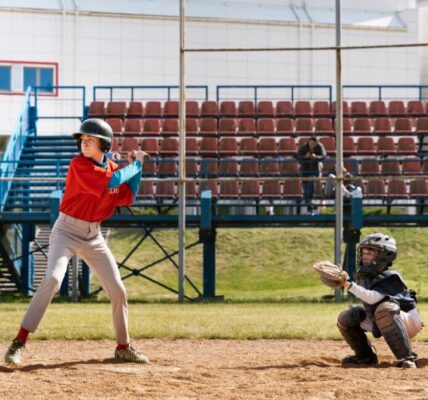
386,249
97,128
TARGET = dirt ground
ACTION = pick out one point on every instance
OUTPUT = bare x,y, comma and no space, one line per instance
209,369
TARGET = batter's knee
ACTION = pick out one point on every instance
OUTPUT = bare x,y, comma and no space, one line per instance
118,294
52,283
351,318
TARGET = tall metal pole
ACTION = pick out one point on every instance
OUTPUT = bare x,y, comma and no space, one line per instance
182,164
339,144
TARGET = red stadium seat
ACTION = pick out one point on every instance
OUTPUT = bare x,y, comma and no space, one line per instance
269,166
265,127
365,146
248,146
267,146
287,146
227,127
349,148
168,167
135,110
191,190
146,190
192,109
208,146
352,166
228,146
390,167
376,189
130,144
192,126
228,167
153,109
132,127
96,109
293,189
347,126
149,168
150,146
209,109
419,188
412,166
209,167
229,190
302,108
116,109
304,126
415,108
285,127
170,127
386,146
170,109
403,126
397,189
192,148
151,127
362,127
377,109
246,109
272,190
345,108
247,127
265,109
169,147
289,167
249,167
228,109
166,190
369,166
192,167
250,190
324,126
359,109
213,186
116,125
422,126
396,108
407,146
208,127
284,108
322,109
329,144
382,127
115,146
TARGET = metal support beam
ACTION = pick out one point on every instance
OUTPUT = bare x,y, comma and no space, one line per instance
27,261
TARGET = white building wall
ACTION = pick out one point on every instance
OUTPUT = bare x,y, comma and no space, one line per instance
134,50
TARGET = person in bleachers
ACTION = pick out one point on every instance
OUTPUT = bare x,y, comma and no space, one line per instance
310,156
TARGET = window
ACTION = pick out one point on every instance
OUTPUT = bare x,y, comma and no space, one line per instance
35,76
5,78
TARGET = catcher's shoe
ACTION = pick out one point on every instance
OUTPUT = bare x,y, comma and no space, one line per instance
13,356
406,364
131,355
370,359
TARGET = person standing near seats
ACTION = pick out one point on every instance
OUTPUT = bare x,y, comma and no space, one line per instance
95,186
310,155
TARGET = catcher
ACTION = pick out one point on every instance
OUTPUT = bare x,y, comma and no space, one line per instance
95,186
389,307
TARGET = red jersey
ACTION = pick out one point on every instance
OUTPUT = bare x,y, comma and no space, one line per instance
87,196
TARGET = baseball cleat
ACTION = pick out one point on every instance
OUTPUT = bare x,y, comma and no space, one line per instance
131,355
354,360
406,364
13,356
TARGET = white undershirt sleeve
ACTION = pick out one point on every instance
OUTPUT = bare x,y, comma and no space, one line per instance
367,296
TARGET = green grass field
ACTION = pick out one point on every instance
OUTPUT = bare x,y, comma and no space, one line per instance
265,275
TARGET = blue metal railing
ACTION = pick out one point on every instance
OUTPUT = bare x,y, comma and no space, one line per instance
23,128
291,88
133,89
381,89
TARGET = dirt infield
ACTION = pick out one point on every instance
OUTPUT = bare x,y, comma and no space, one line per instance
209,369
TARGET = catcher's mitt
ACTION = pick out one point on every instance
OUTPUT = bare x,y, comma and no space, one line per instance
331,274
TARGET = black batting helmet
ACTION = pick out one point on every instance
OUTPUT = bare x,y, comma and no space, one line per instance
96,127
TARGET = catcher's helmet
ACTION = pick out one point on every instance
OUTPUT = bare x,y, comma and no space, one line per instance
386,253
97,128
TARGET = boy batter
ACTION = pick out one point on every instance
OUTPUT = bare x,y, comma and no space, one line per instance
95,186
